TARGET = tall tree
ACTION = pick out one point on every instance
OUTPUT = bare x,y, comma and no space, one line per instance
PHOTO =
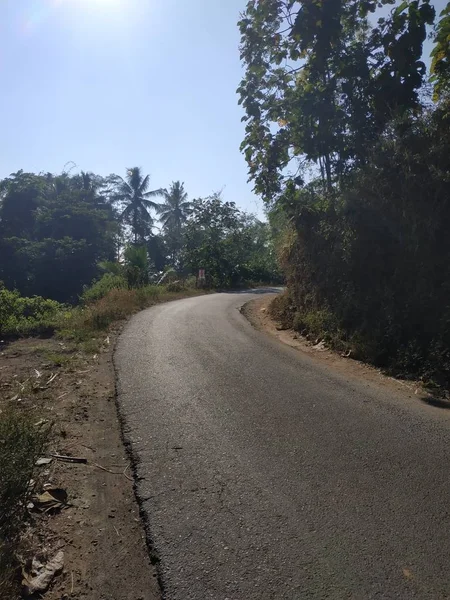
173,214
134,196
321,84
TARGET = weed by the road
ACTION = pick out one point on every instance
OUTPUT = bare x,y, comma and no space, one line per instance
87,322
21,443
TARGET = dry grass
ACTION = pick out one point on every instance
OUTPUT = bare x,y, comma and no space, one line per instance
87,323
21,443
282,309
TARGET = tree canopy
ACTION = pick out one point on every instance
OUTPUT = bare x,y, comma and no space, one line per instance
58,233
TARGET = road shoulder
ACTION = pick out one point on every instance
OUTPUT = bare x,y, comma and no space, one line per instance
99,530
257,313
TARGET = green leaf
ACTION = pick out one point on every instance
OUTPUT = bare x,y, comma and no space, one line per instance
401,8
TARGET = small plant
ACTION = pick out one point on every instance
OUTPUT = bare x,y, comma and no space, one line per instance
57,358
136,266
148,295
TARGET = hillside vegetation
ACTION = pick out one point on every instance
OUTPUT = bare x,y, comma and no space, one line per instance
347,140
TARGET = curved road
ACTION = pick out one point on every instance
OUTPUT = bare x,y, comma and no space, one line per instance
265,475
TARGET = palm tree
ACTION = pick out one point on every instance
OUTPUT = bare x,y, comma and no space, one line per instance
173,214
175,210
133,192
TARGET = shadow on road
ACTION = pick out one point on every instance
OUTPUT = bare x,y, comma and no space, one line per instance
437,402
268,290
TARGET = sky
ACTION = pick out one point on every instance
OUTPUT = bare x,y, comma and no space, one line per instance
113,84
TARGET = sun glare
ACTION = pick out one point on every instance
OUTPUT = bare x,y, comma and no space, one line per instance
95,4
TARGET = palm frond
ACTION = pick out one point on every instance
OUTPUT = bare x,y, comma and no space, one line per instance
154,193
163,208
144,185
127,212
149,204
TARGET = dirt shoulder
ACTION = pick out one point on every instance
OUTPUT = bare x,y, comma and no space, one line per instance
257,312
99,531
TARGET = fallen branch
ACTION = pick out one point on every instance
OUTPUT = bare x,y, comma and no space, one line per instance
125,473
105,469
52,378
72,459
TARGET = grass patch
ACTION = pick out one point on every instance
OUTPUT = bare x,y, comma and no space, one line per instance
58,359
21,443
87,323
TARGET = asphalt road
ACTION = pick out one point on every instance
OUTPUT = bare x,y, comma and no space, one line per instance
264,474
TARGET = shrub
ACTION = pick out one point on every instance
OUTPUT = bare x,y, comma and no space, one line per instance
103,286
137,265
190,282
282,309
115,306
147,295
21,316
175,286
376,253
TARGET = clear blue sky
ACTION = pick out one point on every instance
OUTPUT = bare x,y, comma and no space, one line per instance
111,84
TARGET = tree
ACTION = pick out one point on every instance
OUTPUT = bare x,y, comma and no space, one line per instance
321,84
54,230
19,201
134,196
230,245
173,214
440,65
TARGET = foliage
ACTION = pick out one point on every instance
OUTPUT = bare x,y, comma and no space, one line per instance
376,262
136,266
440,65
173,214
320,84
54,230
134,196
103,286
87,323
354,167
20,316
231,246
21,443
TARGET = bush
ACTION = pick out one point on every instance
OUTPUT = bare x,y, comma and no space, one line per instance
282,309
175,286
21,316
103,286
115,306
148,295
21,443
370,263
190,282
101,308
